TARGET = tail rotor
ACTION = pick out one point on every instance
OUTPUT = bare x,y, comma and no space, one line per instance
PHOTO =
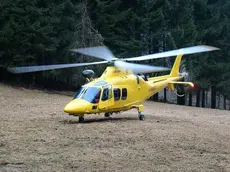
183,71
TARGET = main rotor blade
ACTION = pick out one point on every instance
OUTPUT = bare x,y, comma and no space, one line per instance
101,52
182,51
138,68
49,67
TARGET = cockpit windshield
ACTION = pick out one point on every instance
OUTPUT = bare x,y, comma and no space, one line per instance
90,94
79,92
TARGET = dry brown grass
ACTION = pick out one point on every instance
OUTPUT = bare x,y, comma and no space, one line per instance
36,135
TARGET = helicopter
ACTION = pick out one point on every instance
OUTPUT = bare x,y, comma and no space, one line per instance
121,86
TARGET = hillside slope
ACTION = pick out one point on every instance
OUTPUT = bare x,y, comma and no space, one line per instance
36,135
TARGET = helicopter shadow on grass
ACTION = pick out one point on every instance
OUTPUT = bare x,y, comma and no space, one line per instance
99,120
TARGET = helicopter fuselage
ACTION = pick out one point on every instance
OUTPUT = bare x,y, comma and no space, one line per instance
116,90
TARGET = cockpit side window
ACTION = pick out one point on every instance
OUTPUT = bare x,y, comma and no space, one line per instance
79,92
107,93
117,94
97,97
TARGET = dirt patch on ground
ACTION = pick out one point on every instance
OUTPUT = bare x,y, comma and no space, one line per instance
36,135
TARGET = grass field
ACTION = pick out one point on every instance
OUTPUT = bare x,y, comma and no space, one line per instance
36,135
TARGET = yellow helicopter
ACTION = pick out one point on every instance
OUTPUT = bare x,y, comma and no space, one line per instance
120,87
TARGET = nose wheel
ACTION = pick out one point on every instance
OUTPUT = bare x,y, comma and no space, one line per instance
141,116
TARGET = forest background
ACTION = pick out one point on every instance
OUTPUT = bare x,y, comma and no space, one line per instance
40,32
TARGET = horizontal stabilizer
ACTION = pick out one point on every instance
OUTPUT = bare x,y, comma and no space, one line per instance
184,83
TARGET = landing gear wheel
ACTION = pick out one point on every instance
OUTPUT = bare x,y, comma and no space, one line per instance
81,119
141,116
107,114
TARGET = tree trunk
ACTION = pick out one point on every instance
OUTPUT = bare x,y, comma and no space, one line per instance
213,97
225,106
206,98
190,99
218,103
67,80
165,95
203,98
198,98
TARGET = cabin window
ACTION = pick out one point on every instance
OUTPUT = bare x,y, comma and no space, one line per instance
138,79
117,94
107,93
124,93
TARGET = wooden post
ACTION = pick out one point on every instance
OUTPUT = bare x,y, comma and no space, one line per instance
198,98
213,97
225,106
155,97
203,98
165,95
190,99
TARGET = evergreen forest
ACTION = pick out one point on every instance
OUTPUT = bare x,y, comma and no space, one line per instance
41,32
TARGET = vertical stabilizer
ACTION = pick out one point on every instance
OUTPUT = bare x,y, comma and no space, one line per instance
176,66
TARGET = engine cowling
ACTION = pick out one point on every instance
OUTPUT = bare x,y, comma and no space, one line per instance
88,74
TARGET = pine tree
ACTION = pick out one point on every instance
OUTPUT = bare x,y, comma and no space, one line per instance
112,21
212,21
39,32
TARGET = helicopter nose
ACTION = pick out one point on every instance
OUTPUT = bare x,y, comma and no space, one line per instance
76,106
